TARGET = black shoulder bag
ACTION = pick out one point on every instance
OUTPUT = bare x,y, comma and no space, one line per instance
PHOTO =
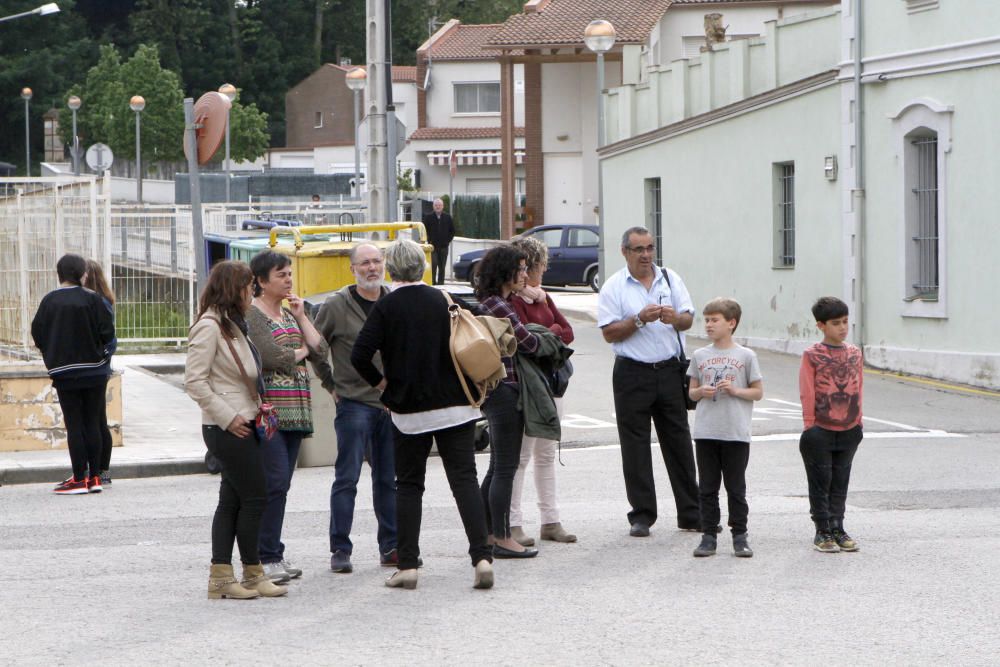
685,362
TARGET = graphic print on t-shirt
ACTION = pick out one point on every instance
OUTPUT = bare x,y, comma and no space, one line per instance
718,368
838,383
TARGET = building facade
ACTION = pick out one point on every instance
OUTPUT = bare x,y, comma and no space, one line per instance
840,153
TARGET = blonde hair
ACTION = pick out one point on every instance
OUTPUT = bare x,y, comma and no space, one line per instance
535,252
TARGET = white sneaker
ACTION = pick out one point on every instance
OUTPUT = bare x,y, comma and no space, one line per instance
276,573
293,572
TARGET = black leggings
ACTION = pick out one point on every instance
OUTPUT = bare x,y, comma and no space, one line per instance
82,408
242,495
105,432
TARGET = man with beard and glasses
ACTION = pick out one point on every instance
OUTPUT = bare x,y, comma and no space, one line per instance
362,424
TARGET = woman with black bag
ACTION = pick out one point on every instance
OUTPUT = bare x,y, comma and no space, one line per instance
222,375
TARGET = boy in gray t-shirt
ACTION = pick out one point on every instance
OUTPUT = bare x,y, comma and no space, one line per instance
725,380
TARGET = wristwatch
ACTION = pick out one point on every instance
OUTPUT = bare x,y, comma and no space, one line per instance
639,323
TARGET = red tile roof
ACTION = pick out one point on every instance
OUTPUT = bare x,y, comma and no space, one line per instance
736,2
562,22
437,133
462,42
404,73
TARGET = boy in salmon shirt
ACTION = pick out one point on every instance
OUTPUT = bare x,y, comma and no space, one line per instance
830,386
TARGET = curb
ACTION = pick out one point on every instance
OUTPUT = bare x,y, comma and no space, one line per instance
56,474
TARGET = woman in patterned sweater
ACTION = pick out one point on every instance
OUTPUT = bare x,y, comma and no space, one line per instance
285,337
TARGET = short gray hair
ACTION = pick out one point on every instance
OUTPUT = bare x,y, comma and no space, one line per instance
641,231
405,261
354,251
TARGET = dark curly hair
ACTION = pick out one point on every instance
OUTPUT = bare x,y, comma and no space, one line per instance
262,264
498,266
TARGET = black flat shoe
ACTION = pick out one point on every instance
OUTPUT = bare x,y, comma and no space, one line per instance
639,529
504,552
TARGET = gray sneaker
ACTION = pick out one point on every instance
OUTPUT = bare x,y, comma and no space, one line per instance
293,572
707,546
340,561
741,548
276,573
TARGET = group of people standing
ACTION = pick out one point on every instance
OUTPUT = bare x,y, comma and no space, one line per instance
383,352
74,327
247,351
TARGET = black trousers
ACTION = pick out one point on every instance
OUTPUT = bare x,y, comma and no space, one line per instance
242,495
457,448
828,456
82,407
722,461
105,432
506,435
439,260
642,394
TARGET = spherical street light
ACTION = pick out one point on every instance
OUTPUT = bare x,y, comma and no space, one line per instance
357,78
137,104
26,93
229,90
26,96
74,103
599,36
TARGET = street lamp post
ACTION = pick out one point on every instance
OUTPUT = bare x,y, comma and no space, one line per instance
137,104
229,90
74,103
357,79
48,8
599,36
26,96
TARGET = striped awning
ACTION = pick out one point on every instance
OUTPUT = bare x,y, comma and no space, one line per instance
473,157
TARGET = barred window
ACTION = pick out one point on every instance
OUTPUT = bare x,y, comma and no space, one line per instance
654,215
784,215
924,238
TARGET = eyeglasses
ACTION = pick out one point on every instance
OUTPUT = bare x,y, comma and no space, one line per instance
370,262
643,249
522,269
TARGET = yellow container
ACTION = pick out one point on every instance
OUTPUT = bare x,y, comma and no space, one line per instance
319,267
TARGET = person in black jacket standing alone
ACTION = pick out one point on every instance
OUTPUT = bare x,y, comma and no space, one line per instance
74,329
440,232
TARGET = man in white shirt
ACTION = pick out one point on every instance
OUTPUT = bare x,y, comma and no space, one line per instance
641,311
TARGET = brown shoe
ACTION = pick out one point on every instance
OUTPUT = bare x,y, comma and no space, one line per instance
255,579
222,584
520,537
555,533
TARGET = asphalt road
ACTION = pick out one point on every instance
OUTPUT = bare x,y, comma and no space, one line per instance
119,578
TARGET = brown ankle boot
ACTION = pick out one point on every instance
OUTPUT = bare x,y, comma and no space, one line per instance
556,533
520,537
255,579
222,584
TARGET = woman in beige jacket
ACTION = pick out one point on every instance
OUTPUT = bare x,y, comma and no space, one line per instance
226,387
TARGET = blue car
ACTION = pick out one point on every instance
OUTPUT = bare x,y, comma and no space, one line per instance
572,255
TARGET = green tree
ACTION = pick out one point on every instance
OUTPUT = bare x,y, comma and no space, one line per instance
101,96
163,117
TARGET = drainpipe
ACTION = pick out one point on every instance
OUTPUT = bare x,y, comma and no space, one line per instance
859,184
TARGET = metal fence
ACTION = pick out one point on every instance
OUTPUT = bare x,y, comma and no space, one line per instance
147,252
40,220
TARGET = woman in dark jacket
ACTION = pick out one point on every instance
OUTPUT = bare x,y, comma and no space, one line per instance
411,328
95,281
501,272
74,329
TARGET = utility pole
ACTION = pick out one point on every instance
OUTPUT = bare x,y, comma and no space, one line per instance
382,195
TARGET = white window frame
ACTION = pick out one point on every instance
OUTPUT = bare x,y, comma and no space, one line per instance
454,98
317,120
927,115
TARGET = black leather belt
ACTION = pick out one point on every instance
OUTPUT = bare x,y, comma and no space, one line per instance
673,362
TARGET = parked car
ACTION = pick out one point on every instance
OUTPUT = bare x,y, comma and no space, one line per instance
572,255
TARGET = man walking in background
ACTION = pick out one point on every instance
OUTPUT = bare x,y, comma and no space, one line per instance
440,232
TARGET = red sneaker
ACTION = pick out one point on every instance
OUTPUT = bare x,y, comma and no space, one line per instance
72,487
94,484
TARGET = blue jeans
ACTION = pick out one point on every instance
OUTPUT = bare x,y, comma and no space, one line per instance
278,455
363,432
